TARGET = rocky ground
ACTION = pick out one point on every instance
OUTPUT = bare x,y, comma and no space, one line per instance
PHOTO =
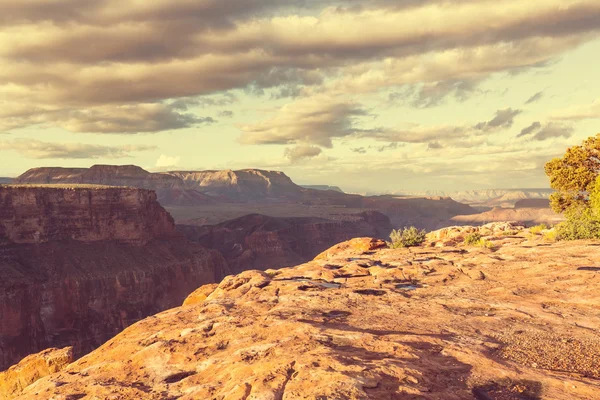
519,320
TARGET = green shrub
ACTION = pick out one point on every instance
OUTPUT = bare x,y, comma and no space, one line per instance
488,244
407,237
537,230
551,236
472,239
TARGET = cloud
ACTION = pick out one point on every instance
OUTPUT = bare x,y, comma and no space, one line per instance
503,119
465,135
554,130
310,121
578,112
226,114
38,149
425,95
434,146
71,56
166,161
359,150
128,119
299,153
536,97
530,129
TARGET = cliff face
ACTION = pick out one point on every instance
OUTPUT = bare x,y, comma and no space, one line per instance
366,322
30,214
80,265
261,242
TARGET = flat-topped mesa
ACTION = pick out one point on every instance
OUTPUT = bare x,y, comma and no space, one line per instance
169,189
246,184
40,214
113,175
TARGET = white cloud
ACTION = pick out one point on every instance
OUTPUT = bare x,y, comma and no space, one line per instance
167,161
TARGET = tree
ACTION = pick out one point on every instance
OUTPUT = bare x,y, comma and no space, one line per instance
574,175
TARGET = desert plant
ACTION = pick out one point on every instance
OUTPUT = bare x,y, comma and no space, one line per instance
510,233
574,175
472,239
488,244
537,230
551,236
407,237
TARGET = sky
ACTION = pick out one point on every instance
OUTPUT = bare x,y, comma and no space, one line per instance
369,95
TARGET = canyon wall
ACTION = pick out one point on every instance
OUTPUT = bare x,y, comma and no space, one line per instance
79,265
37,214
261,242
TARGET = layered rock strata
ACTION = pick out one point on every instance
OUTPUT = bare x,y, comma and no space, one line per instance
78,265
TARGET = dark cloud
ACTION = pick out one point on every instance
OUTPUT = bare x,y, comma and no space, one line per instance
530,129
535,97
554,130
503,119
434,146
359,150
41,150
300,153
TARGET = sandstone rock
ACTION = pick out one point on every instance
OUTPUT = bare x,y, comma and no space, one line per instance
200,294
352,247
32,368
509,335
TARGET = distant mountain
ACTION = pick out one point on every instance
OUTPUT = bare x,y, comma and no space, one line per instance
323,187
487,197
193,188
5,180
169,189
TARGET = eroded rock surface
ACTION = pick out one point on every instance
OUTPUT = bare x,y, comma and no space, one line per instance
32,368
365,322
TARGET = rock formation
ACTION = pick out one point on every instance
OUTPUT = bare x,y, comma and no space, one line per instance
32,368
323,187
244,185
170,189
365,322
80,264
261,242
33,214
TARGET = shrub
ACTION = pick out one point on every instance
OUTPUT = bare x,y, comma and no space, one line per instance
537,230
407,237
510,233
488,244
581,223
472,239
551,236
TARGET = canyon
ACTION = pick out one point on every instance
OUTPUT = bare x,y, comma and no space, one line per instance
196,195
361,321
80,263
261,242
